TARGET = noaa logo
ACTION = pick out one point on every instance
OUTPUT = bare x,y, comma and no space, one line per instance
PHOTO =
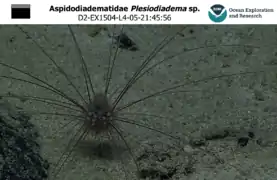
217,13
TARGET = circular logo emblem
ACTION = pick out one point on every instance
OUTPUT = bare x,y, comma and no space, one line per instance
217,13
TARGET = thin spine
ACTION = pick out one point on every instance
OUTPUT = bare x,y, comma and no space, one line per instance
129,121
53,61
48,87
110,59
184,51
126,144
44,100
69,149
158,93
84,65
150,57
110,69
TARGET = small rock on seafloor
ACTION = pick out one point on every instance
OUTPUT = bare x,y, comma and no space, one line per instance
125,42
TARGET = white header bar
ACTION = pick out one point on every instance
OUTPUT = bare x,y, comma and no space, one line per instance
138,12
